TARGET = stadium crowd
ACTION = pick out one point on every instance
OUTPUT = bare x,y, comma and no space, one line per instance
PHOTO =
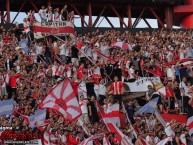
29,68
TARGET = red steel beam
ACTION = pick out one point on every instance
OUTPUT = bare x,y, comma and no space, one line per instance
137,19
76,10
34,5
118,15
89,14
4,21
82,22
147,23
2,17
109,22
157,17
98,17
49,3
183,9
129,16
8,11
168,17
121,24
19,11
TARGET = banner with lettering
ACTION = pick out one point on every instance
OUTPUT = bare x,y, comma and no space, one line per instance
53,28
141,84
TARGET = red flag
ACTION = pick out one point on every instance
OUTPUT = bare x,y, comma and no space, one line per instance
62,99
158,72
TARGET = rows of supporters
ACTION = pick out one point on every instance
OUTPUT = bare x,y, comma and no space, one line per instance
30,70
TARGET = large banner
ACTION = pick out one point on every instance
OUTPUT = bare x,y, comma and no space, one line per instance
141,84
54,28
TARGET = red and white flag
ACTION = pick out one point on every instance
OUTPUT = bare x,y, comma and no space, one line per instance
122,45
62,99
112,114
190,120
120,136
164,141
106,141
93,137
157,72
185,62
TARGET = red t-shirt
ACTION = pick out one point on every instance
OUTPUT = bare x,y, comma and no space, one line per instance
169,92
13,80
79,45
116,88
80,72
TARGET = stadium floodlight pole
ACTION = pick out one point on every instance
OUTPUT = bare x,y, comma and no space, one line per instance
76,48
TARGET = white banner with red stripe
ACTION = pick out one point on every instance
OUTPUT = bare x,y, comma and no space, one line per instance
54,28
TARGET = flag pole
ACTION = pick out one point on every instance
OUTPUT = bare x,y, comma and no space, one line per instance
134,132
76,48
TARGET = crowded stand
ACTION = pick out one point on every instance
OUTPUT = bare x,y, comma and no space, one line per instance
71,90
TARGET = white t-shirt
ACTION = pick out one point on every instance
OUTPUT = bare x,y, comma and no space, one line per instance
62,71
97,71
39,50
169,132
181,54
170,73
68,51
26,26
34,57
95,55
56,16
102,89
183,86
83,106
55,70
53,139
1,43
50,16
156,140
63,138
88,52
151,123
148,139
183,139
105,50
62,49
82,49
131,72
42,13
